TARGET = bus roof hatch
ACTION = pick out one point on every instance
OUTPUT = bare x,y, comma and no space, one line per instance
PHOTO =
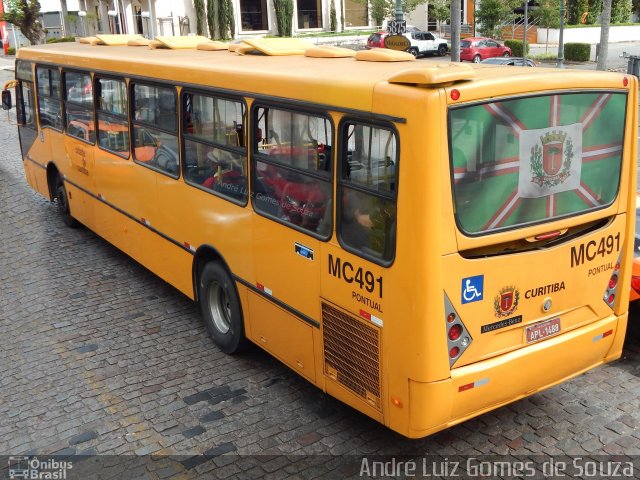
445,73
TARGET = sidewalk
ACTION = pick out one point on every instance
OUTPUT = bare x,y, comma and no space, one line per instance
7,62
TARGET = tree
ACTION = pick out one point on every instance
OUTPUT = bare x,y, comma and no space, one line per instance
201,16
604,36
381,9
493,13
25,14
211,18
441,11
226,22
620,11
595,8
284,17
548,16
575,11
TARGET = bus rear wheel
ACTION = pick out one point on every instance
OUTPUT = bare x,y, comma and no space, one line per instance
62,199
221,309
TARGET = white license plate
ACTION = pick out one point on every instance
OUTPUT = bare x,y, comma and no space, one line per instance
543,330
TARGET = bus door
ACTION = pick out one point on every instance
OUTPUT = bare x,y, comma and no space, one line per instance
292,193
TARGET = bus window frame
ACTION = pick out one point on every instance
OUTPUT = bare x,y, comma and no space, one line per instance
63,86
256,156
528,225
342,183
184,137
38,96
133,81
98,112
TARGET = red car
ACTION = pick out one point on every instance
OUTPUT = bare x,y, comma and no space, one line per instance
475,49
376,40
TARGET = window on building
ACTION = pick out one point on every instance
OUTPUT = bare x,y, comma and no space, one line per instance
367,190
309,13
155,128
292,165
215,156
356,14
253,15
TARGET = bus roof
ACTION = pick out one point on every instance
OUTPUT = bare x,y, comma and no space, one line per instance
326,81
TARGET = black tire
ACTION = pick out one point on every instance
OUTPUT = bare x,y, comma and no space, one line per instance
506,54
477,59
221,309
62,199
414,51
442,50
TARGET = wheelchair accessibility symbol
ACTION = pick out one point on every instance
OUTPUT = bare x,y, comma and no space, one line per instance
472,289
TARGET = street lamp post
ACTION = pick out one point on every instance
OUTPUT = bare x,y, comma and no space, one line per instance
560,63
83,14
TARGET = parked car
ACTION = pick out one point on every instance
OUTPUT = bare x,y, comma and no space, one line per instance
376,40
517,61
422,43
476,49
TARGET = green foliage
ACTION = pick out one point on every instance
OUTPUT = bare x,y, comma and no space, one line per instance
284,17
226,22
577,52
547,13
25,15
516,47
333,18
61,40
595,8
575,10
379,10
620,11
201,16
441,10
11,51
492,13
211,18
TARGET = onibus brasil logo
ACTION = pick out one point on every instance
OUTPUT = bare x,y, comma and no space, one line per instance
36,469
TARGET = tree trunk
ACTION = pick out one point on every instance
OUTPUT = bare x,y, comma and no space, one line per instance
604,36
455,30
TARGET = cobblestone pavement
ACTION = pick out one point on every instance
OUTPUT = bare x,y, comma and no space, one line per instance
99,356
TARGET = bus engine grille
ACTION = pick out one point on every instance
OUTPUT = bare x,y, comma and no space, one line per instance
352,354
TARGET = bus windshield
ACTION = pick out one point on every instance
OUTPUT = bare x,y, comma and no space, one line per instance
530,160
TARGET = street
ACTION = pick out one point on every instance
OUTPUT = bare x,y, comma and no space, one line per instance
101,357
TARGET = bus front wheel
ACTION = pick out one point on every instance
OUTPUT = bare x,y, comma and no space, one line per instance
62,199
221,309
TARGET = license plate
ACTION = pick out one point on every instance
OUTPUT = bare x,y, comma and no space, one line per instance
542,330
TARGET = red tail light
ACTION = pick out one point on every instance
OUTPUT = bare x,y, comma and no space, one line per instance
458,338
612,286
613,281
635,283
455,331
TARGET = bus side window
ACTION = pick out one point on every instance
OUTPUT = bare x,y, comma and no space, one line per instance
113,122
215,156
49,107
78,100
293,168
367,190
155,128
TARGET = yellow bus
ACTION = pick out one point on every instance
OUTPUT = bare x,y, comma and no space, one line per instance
425,242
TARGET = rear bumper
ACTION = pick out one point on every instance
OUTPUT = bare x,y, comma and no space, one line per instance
483,386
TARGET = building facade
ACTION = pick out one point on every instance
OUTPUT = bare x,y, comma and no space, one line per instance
252,17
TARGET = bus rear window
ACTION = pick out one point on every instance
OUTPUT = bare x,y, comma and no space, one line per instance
531,160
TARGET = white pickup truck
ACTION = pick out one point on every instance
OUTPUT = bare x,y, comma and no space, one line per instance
423,43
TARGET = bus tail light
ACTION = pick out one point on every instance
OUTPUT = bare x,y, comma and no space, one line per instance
458,338
612,286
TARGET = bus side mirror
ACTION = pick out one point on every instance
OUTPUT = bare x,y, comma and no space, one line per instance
6,100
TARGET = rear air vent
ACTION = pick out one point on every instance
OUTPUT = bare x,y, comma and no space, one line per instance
352,354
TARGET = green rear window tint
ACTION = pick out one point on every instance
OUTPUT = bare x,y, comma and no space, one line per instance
534,159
